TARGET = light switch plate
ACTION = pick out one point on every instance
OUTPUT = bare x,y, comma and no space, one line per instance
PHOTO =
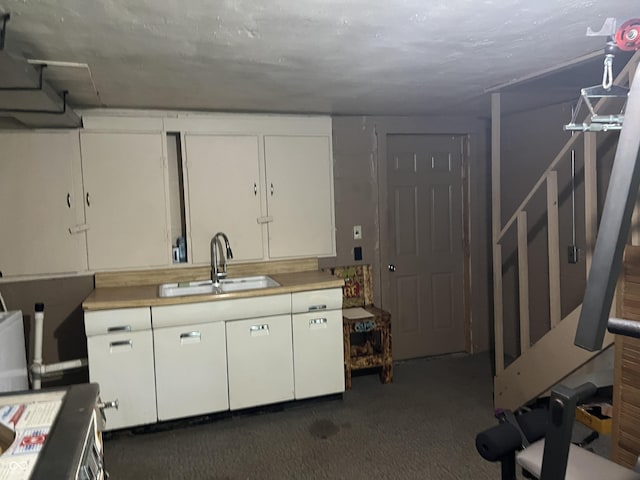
357,232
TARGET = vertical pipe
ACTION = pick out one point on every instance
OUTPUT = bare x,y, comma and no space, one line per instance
37,345
573,197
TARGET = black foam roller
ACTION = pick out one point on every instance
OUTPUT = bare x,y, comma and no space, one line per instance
496,442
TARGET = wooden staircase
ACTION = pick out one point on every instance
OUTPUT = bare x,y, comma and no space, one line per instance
552,358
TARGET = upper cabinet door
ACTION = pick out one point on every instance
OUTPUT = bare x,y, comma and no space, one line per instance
299,197
224,194
41,204
125,200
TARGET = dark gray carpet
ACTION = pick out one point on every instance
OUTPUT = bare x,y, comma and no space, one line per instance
422,426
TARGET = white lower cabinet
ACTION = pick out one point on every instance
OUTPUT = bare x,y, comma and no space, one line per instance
191,370
318,354
120,350
260,361
174,361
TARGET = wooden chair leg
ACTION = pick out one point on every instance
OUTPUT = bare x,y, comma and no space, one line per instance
346,341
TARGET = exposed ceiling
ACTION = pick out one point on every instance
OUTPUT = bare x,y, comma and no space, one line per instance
320,56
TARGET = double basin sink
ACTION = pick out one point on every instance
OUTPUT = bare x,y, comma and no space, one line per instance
207,287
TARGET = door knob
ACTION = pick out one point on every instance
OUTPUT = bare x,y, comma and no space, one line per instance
392,267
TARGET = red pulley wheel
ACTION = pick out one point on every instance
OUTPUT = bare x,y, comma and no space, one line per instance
628,35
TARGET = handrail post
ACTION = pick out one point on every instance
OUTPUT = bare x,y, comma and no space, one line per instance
523,282
553,245
496,226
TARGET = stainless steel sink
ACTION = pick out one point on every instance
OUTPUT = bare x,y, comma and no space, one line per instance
206,287
247,283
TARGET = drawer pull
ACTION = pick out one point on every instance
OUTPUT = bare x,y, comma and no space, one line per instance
318,324
318,321
123,328
122,344
189,337
313,308
259,330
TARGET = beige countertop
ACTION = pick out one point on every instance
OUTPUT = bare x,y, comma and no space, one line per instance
106,298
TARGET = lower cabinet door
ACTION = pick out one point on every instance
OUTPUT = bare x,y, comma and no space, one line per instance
260,361
191,370
122,364
318,353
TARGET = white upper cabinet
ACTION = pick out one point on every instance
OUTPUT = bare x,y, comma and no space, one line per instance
41,210
224,192
125,200
100,198
272,194
300,200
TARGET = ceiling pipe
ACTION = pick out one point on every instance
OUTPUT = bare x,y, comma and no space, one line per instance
26,97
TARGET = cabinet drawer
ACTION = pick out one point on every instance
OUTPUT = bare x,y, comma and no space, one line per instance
117,321
316,300
122,364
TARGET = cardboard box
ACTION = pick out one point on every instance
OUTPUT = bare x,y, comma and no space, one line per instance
595,417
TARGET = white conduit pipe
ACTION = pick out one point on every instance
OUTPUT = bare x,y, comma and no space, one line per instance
62,366
38,370
37,346
57,63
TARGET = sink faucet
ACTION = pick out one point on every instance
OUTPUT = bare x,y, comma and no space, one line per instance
216,274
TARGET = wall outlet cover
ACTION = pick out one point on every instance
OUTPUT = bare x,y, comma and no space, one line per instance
357,232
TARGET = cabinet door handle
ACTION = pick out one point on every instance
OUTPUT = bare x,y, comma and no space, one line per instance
190,337
69,200
122,328
258,330
255,188
272,189
88,197
317,307
318,322
120,344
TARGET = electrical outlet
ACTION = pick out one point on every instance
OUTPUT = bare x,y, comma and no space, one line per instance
357,232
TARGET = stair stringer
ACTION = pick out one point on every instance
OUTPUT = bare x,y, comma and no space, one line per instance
545,364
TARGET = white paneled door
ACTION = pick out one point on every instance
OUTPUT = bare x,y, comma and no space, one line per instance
426,254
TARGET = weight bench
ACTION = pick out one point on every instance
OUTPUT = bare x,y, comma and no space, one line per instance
581,465
539,441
